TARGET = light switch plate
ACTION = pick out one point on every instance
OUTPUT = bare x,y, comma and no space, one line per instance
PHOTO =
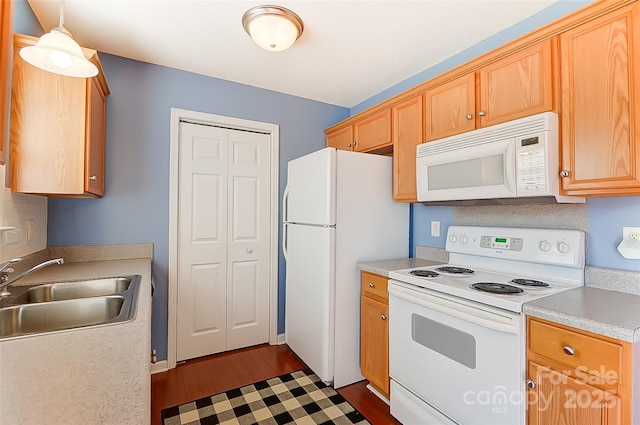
435,229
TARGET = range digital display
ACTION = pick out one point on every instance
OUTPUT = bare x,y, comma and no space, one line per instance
501,240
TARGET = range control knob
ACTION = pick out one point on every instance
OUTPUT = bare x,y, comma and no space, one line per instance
464,239
545,246
453,238
563,247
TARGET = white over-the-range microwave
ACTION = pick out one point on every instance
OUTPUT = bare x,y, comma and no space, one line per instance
510,163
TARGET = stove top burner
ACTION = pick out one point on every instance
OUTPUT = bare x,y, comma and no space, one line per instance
530,282
496,288
454,270
424,273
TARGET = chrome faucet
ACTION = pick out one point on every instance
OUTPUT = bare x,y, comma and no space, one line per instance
5,271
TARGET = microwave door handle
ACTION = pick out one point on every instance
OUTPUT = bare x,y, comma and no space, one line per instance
509,166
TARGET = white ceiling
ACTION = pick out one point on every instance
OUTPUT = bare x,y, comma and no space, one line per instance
348,52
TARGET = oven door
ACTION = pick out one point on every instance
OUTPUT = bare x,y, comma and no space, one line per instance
482,171
462,360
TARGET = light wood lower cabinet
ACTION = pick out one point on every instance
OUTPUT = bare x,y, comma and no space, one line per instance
374,332
576,377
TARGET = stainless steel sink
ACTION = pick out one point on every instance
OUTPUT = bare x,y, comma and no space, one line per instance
71,290
69,305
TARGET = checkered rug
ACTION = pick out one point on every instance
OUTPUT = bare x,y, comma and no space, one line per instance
295,398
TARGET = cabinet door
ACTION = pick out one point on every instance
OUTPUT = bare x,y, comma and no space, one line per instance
561,399
341,139
47,130
6,44
373,132
450,108
94,160
374,344
517,86
600,76
407,134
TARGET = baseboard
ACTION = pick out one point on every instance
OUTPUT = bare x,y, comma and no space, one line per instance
161,366
379,394
282,339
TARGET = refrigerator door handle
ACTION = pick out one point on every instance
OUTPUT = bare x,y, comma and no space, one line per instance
285,253
285,203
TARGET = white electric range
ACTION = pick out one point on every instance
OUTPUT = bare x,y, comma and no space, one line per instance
456,331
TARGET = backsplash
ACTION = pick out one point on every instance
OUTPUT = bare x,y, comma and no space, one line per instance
28,214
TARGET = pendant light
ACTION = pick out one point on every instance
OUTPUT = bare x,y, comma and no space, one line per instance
273,28
57,52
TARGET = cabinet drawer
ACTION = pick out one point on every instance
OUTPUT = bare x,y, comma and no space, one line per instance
374,285
591,355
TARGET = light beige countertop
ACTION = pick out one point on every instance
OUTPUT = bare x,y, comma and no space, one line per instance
383,267
601,311
91,375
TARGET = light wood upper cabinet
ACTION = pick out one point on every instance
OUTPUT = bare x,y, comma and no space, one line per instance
374,332
600,120
407,134
450,108
576,377
373,132
6,49
341,139
369,134
57,130
516,86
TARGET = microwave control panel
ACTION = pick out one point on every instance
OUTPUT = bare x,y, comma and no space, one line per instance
531,163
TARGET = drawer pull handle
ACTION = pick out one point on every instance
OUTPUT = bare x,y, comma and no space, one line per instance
383,317
371,285
531,384
568,350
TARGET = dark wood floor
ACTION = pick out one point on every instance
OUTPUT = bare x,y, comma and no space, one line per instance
213,374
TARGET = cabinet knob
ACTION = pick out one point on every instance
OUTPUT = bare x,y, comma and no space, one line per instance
383,317
568,350
481,113
469,116
348,145
371,285
249,250
531,384
93,178
564,173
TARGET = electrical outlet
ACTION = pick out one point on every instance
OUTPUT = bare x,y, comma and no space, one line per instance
631,233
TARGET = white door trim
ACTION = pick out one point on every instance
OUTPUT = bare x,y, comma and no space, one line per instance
235,123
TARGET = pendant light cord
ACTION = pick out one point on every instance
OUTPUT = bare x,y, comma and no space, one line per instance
61,14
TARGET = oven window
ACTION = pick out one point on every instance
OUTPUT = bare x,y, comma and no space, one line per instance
453,343
485,171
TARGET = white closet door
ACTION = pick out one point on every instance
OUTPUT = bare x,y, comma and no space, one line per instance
223,246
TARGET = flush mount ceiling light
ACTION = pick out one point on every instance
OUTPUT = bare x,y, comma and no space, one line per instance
273,28
57,52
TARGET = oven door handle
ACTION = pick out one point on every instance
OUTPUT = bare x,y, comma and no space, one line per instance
456,307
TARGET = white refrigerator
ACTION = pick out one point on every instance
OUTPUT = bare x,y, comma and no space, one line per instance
338,211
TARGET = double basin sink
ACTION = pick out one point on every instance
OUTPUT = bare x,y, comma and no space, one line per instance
56,306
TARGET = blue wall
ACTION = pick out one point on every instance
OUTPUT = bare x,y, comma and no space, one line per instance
135,207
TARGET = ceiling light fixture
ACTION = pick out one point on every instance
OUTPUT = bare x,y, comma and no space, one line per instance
273,28
57,52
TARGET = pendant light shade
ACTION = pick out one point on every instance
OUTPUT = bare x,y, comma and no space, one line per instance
273,28
57,52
